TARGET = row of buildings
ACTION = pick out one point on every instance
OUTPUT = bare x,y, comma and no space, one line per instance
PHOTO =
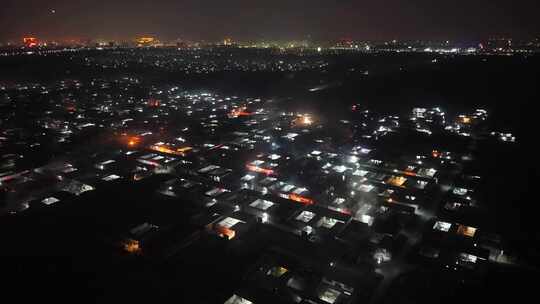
337,210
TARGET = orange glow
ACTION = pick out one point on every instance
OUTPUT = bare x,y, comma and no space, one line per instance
185,149
171,150
239,112
260,170
303,120
225,231
409,173
30,41
466,230
145,40
397,181
465,119
300,199
133,141
131,246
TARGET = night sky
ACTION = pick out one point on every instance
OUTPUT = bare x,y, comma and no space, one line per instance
277,19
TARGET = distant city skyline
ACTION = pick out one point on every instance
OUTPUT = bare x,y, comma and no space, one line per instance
507,42
276,20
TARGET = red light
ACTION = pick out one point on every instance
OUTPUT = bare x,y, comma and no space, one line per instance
239,112
345,211
300,199
133,141
260,170
154,102
30,41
